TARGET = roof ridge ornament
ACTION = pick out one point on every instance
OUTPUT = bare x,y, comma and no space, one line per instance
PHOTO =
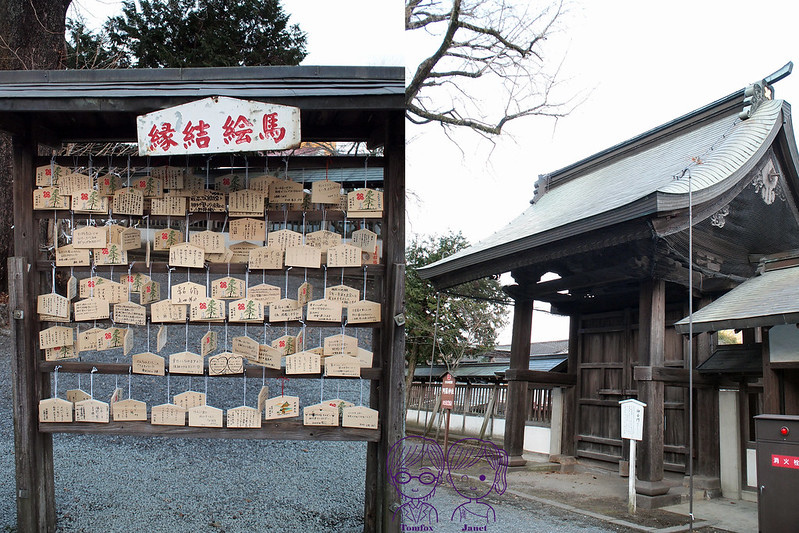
760,91
541,186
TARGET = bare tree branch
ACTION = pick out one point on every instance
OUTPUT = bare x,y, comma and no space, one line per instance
488,67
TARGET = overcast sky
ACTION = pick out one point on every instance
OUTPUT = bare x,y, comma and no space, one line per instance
638,64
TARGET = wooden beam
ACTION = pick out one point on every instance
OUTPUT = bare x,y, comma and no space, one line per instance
541,377
671,376
271,430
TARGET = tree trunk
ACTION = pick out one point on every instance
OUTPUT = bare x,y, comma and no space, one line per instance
31,38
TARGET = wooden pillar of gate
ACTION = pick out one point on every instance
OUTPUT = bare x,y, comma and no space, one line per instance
35,492
388,396
651,353
517,402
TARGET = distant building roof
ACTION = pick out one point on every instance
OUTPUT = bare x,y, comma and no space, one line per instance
541,347
489,371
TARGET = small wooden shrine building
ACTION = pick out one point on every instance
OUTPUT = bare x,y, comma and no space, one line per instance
42,110
615,228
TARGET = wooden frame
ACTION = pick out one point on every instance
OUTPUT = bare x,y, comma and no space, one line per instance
333,117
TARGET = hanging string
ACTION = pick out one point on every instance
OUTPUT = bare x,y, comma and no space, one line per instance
130,379
53,283
360,386
168,389
55,381
321,388
363,297
91,382
245,389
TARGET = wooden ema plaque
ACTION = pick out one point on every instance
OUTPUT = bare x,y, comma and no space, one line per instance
283,239
68,255
209,343
363,312
324,311
205,416
161,338
264,293
172,176
109,183
341,345
168,414
129,411
87,340
320,414
57,353
52,304
248,229
56,336
225,363
323,239
166,238
90,237
186,255
228,288
243,417
246,203
77,395
130,313
325,192
229,183
344,366
359,417
190,399
169,205
285,192
344,294
281,407
91,309
135,282
130,239
89,201
246,310
285,310
263,395
364,239
364,357
110,339
73,182
207,310
303,363
245,347
266,258
186,363
50,174
344,255
150,292
50,198
92,411
208,201
166,311
129,201
148,363
113,254
187,293
150,186
55,410
261,183
303,256
287,344
213,242
365,203
241,252
268,357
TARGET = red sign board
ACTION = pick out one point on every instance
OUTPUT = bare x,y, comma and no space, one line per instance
785,461
448,392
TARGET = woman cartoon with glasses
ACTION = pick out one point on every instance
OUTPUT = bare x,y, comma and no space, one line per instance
415,466
475,468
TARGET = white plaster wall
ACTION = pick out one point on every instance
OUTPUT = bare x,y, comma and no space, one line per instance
536,438
729,444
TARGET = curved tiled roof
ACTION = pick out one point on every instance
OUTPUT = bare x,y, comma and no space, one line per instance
637,179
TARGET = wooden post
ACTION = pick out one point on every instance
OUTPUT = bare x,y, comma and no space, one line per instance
651,352
381,499
34,450
516,406
708,463
568,442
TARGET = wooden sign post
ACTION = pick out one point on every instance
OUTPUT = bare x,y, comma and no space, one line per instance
447,402
632,428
